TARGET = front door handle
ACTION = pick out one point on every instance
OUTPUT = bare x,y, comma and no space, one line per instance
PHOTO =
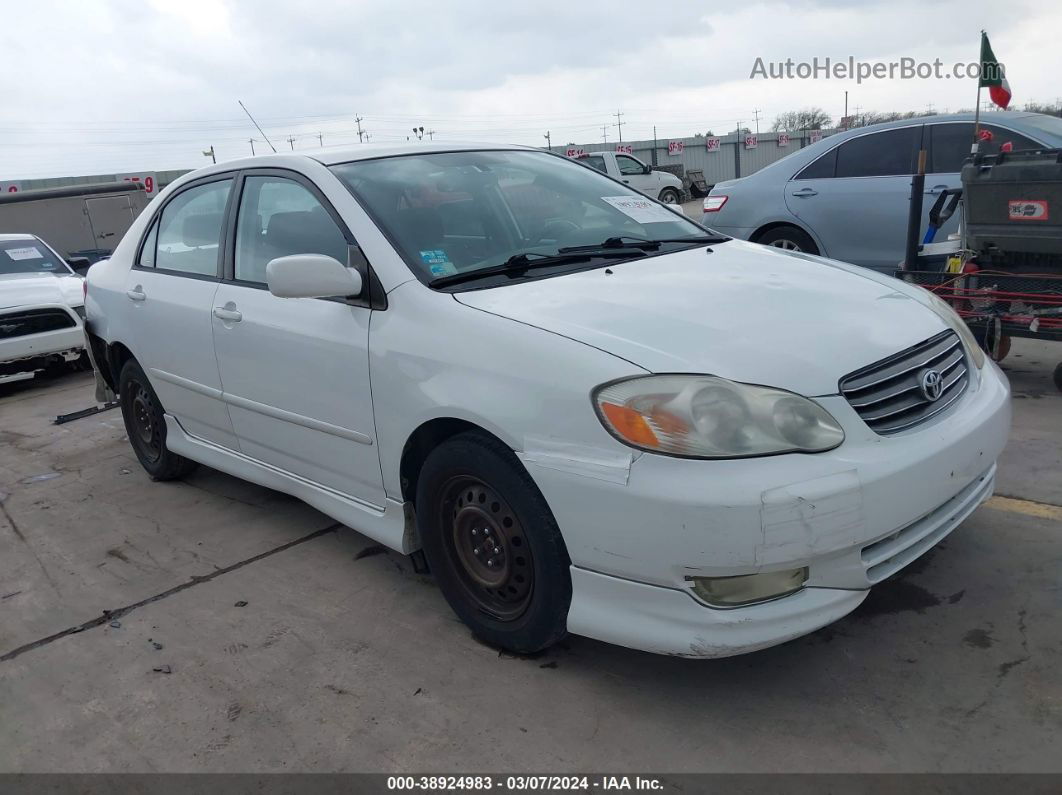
136,294
936,189
228,313
804,192
626,182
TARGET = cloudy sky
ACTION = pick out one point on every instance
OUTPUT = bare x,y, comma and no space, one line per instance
135,85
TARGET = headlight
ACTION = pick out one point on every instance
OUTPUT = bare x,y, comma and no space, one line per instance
958,325
703,416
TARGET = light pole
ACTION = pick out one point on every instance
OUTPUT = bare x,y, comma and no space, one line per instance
210,153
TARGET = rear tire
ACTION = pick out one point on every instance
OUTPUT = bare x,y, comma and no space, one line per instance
669,196
145,425
789,238
1058,376
493,544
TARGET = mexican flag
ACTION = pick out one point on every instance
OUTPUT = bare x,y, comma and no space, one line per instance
992,76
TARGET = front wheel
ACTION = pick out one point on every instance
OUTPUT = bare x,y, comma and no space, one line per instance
493,544
145,425
669,196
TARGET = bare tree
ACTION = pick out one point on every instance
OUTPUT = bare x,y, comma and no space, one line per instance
806,119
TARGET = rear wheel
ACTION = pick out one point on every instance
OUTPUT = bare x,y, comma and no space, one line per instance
669,196
1058,376
789,238
493,544
145,425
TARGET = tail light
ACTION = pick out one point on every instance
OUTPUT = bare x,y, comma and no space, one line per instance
714,204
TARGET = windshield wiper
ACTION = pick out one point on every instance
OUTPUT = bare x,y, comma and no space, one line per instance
645,244
519,264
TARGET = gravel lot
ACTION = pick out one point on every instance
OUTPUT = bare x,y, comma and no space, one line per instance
253,634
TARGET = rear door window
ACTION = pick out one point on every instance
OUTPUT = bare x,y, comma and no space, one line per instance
823,168
189,236
882,154
595,161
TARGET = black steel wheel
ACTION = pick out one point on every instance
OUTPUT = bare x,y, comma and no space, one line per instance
487,548
493,544
145,425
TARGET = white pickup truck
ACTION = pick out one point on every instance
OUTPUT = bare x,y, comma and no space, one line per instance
632,171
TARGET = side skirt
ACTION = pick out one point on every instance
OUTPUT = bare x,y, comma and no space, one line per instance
387,525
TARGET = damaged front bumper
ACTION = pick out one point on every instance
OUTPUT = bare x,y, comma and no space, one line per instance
853,516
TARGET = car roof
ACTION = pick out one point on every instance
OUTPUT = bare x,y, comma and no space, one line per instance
17,236
333,155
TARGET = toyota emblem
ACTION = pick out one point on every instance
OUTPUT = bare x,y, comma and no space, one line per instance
932,384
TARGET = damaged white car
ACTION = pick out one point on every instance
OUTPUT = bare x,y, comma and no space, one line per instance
591,414
42,308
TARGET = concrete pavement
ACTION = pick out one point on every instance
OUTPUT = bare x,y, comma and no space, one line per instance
295,645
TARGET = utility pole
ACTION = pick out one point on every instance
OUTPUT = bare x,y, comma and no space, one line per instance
291,141
756,114
604,132
862,122
619,125
358,120
251,142
930,109
320,139
846,107
419,132
430,134
654,145
210,153
549,143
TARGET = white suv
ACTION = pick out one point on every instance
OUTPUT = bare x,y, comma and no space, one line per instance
591,414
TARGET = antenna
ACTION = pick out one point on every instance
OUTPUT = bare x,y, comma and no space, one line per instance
249,116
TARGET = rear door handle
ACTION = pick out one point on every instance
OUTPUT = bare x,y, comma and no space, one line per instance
136,294
806,192
228,313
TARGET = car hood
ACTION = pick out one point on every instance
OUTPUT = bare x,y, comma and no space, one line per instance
745,312
23,289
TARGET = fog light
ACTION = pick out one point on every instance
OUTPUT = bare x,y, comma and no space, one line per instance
748,588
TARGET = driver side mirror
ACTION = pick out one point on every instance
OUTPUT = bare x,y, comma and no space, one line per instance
80,265
312,276
648,169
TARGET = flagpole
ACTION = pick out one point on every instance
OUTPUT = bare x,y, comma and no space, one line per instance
977,107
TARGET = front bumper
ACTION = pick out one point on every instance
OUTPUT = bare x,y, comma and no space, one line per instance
853,516
22,355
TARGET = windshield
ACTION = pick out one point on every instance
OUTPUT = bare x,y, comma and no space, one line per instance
29,255
456,212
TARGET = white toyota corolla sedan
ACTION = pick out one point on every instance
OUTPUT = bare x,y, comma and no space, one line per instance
591,414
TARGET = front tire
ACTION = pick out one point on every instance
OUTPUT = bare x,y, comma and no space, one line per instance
669,196
789,238
493,544
145,425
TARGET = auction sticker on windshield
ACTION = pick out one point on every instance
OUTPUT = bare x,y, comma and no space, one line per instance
438,263
644,211
28,252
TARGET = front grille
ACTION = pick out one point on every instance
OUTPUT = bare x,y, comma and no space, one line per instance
33,321
889,396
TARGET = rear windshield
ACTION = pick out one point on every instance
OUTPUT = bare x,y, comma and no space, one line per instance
29,256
